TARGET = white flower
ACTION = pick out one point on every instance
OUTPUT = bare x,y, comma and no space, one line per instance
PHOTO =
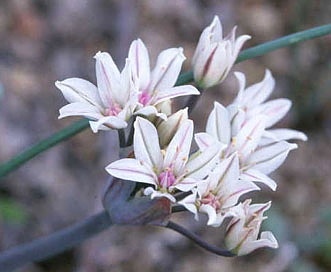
243,230
110,104
168,170
219,192
157,86
251,100
215,55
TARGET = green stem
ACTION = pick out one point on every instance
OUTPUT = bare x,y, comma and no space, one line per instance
288,40
43,145
184,78
48,246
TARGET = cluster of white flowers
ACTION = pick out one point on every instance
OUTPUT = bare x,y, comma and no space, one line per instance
237,150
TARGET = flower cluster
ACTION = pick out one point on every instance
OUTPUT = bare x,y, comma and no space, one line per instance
119,95
235,155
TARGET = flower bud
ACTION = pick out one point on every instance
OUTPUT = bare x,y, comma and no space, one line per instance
242,232
167,129
215,55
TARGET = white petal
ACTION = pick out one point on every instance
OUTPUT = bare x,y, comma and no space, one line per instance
239,44
186,184
275,110
218,124
79,90
257,93
218,65
127,88
167,69
150,111
242,83
227,184
254,175
167,129
200,165
157,194
267,240
138,55
288,134
204,140
108,121
166,94
249,136
80,109
189,203
146,143
132,169
108,77
211,212
268,158
179,147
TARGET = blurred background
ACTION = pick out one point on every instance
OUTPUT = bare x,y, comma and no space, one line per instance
45,41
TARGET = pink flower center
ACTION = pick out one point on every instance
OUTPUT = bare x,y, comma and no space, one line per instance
144,98
212,200
166,178
113,110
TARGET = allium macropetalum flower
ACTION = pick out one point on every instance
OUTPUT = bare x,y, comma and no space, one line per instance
243,230
158,85
216,195
243,140
110,104
215,55
251,101
167,170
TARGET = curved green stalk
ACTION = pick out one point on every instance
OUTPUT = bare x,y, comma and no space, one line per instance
184,78
43,145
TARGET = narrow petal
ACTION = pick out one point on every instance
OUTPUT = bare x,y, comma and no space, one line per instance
267,240
166,94
167,129
257,93
179,147
211,212
253,175
187,184
132,169
218,124
146,143
242,83
138,55
204,140
108,77
108,121
80,109
275,110
288,134
200,165
150,111
157,194
239,44
167,69
249,136
128,87
189,204
79,90
268,158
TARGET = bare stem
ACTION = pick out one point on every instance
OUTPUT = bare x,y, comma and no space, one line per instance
53,244
196,239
